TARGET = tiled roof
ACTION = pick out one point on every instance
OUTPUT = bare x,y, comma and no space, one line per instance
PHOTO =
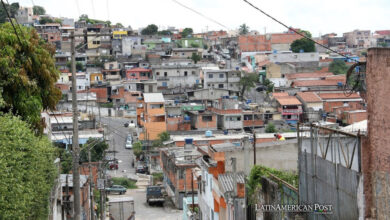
252,43
309,97
338,96
288,100
383,32
308,75
284,38
302,83
339,78
279,94
323,69
226,181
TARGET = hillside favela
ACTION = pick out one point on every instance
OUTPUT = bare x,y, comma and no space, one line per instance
194,110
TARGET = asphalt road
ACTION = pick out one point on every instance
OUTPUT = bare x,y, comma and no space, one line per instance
116,134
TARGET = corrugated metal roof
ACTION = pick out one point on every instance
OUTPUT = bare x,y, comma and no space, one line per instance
153,97
226,181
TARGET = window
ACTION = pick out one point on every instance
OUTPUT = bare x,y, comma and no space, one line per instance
207,118
165,74
221,75
181,174
158,73
182,54
193,73
220,86
155,106
164,84
210,75
208,85
185,73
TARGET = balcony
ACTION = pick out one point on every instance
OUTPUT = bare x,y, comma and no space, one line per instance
291,111
162,78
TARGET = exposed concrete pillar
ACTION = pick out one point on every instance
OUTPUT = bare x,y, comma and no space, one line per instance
376,148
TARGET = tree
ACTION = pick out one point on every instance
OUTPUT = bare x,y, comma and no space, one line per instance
247,82
303,44
338,67
97,149
27,170
195,57
79,66
45,20
39,10
194,45
270,128
12,10
163,136
165,32
187,32
269,85
151,29
243,29
120,25
137,149
27,75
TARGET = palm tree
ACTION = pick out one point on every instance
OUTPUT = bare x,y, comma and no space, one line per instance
244,29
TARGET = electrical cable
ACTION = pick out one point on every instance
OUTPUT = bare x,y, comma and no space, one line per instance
204,16
10,19
297,32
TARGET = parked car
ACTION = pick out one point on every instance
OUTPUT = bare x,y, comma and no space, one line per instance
116,189
140,169
128,145
155,194
126,124
113,165
129,138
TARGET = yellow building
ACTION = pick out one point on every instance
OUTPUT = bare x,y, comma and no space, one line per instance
93,41
95,77
152,116
118,34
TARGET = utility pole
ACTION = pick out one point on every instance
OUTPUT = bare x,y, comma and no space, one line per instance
254,147
192,189
90,183
75,141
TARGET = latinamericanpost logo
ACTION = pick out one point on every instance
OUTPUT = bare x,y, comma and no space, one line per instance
314,208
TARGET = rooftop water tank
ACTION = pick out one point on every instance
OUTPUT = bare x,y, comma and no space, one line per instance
188,140
209,133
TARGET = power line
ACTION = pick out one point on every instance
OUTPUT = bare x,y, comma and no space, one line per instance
17,23
289,28
10,19
196,12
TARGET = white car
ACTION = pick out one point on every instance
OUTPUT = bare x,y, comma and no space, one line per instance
128,145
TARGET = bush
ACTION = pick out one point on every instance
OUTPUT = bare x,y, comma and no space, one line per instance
130,184
270,128
157,177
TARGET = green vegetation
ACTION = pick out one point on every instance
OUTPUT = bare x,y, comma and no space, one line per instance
157,177
269,85
164,32
187,32
163,136
338,67
66,160
303,44
270,128
79,66
137,149
97,150
247,82
194,45
27,75
243,29
107,105
39,10
96,197
195,57
130,184
12,10
85,18
259,171
120,25
151,29
27,170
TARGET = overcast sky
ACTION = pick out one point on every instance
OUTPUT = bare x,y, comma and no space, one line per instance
317,16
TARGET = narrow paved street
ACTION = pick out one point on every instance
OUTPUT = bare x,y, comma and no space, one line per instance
116,134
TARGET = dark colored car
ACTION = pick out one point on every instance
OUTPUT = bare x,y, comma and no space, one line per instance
140,169
116,189
261,88
155,194
126,124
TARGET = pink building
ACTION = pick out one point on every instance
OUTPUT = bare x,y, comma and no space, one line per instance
138,74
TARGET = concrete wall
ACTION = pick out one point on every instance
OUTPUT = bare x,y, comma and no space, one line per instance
281,155
376,150
294,57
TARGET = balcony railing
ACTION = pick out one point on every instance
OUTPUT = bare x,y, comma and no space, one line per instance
162,78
